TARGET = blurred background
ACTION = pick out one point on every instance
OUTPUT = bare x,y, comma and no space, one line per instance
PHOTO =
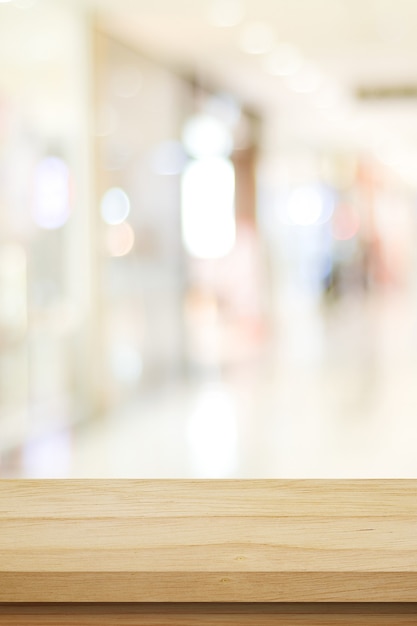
208,230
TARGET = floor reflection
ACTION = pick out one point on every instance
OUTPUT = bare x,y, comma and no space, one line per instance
353,415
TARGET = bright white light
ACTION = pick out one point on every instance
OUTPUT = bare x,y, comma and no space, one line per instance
120,239
208,211
256,38
226,13
115,206
206,136
307,80
285,60
168,158
51,205
305,206
212,434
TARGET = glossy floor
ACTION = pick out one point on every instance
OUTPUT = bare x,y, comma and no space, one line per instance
344,406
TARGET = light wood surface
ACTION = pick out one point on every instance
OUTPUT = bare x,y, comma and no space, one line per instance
208,541
209,615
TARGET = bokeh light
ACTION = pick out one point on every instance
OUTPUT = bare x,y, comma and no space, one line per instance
345,224
115,206
305,206
206,136
208,212
119,239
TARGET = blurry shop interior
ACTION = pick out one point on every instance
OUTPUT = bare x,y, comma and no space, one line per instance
208,230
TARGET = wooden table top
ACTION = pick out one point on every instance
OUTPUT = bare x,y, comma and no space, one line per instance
208,541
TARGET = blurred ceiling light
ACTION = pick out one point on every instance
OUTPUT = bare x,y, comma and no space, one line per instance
207,208
120,239
305,206
284,60
345,224
115,206
256,38
226,13
206,136
168,158
51,193
107,121
126,82
307,80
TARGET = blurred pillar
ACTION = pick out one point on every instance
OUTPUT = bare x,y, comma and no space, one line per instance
82,252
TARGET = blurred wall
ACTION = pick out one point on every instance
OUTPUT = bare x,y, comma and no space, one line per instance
47,304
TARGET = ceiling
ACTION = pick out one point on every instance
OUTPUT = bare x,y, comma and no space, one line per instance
352,43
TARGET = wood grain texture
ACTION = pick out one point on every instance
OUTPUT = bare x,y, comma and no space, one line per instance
215,541
209,615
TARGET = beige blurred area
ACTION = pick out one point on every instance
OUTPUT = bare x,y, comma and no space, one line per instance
208,233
